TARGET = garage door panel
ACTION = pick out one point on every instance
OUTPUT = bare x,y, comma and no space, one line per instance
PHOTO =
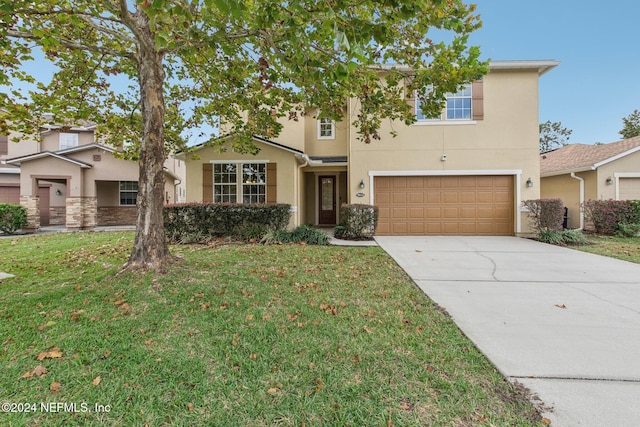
629,188
416,213
467,213
10,194
416,228
399,183
416,198
399,213
399,198
450,197
400,228
455,205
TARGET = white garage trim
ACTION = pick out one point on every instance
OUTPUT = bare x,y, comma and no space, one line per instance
514,172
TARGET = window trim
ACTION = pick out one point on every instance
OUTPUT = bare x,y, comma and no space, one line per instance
239,182
322,121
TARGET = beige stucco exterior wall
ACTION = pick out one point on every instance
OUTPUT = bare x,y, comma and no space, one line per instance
289,176
51,168
108,168
51,139
22,148
628,165
567,189
314,146
506,139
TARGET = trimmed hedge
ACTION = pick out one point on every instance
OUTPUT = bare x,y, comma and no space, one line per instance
545,214
202,222
612,216
12,218
358,222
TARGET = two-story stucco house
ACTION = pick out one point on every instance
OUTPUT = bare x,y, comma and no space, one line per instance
464,173
71,179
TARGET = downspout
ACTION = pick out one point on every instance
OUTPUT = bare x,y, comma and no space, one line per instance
573,175
305,163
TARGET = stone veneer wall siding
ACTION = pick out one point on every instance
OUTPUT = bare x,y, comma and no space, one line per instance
89,212
57,215
32,205
116,215
74,212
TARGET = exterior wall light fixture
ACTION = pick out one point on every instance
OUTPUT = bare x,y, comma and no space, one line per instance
361,185
609,181
529,183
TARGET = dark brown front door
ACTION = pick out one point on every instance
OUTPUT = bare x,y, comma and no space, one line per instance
43,193
327,202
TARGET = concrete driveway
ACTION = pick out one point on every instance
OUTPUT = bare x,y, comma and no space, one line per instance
563,323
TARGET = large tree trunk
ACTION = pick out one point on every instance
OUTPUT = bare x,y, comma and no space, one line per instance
150,250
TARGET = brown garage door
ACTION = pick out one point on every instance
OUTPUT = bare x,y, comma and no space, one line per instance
444,205
10,194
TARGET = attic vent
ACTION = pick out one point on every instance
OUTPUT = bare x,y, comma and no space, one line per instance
97,157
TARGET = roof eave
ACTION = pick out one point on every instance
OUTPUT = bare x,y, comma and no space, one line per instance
566,171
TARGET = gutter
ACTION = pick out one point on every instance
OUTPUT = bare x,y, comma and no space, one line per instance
573,175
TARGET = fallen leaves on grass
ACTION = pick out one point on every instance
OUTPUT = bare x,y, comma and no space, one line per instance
55,387
38,371
96,380
54,353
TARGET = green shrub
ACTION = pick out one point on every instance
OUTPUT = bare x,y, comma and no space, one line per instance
553,237
573,237
628,230
358,222
609,215
303,233
202,222
564,237
12,218
545,214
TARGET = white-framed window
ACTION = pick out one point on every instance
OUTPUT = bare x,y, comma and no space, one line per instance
457,106
128,193
240,182
68,140
225,183
326,128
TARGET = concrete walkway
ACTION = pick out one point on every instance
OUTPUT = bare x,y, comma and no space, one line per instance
564,323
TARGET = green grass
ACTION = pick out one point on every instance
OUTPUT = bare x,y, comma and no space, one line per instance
625,248
236,336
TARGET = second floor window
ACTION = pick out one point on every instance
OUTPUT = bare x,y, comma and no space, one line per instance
457,106
68,140
326,128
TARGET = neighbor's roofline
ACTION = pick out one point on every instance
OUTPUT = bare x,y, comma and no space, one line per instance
593,166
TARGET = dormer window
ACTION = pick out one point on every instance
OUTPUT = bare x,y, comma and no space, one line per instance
68,140
326,129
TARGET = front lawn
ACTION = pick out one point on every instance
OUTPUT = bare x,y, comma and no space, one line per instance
625,248
234,336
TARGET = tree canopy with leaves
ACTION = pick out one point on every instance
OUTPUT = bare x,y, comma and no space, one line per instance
631,126
192,63
553,135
